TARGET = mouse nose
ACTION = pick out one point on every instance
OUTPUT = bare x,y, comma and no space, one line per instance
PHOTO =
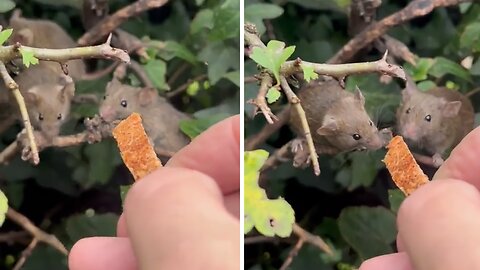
107,113
409,131
376,142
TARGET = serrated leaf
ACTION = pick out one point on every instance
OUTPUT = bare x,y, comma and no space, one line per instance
273,95
156,70
470,37
395,197
6,5
28,58
269,216
193,127
443,66
273,56
3,207
309,73
4,35
369,230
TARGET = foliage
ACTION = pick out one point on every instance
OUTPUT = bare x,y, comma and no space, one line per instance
269,216
76,192
3,207
353,203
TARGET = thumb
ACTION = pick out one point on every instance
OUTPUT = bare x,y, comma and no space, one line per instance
176,219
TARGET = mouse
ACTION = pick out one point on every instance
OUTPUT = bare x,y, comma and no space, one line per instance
160,119
47,95
337,119
43,33
434,121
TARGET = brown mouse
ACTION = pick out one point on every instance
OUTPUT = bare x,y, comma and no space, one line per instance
337,119
160,118
48,97
434,121
45,34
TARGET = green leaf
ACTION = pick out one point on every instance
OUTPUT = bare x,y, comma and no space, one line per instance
3,207
6,5
180,51
470,37
225,24
309,73
219,59
475,69
364,169
443,66
156,70
234,77
203,19
273,95
269,217
82,225
426,85
395,197
256,13
420,71
4,35
192,128
28,58
45,257
273,56
123,192
369,230
102,157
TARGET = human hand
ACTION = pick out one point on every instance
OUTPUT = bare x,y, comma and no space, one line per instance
182,216
439,224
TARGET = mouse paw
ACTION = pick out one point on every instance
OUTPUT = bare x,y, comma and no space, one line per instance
301,159
97,129
24,143
437,160
297,145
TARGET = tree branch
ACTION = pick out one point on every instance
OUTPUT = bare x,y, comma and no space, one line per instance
36,232
293,252
111,22
295,101
25,253
260,101
13,86
414,9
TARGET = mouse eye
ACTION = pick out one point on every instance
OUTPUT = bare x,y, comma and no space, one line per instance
356,136
104,97
408,111
123,103
371,123
40,117
428,118
59,117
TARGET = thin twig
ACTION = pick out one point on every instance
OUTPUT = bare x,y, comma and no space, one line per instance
260,239
278,155
25,253
255,140
15,237
292,254
260,101
295,101
13,86
111,22
250,79
312,239
177,73
36,232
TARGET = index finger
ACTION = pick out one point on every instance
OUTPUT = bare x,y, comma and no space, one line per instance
216,153
464,161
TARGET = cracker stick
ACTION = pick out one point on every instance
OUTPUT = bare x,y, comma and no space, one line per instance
406,173
135,147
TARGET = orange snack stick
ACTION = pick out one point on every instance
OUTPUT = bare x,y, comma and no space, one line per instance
135,147
403,168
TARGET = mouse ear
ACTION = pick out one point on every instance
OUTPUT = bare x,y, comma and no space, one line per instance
146,95
329,127
451,109
31,96
359,96
24,37
115,83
